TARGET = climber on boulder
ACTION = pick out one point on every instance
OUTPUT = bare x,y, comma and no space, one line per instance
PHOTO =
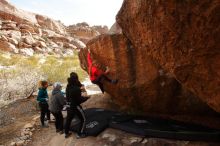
97,75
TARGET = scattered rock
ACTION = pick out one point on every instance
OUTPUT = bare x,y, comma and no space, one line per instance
27,51
13,41
28,125
40,44
15,35
20,143
23,45
3,38
28,40
13,144
6,46
110,137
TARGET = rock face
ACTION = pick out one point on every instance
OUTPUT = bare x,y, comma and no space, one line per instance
183,37
22,31
10,12
84,32
48,23
143,85
100,29
28,33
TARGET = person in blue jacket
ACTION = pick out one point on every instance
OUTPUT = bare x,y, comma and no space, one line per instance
42,99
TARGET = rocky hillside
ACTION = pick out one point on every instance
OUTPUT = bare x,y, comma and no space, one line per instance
84,32
10,12
166,59
28,33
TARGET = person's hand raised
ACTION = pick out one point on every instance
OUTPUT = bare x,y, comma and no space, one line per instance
107,70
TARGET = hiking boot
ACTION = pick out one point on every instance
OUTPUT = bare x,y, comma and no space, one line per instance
61,132
67,135
58,130
114,81
80,135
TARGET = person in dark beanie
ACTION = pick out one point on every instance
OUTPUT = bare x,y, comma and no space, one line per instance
74,98
56,104
42,99
74,75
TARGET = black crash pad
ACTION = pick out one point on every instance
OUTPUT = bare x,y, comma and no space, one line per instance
163,128
99,119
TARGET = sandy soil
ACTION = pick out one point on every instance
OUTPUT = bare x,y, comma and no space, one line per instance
48,136
13,117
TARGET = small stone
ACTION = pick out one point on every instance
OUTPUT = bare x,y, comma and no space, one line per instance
109,136
30,133
36,118
27,137
20,143
134,139
23,137
13,143
32,129
145,141
29,125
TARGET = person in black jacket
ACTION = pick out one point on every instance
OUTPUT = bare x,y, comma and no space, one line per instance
74,98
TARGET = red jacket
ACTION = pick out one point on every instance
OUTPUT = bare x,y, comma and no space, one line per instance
89,60
94,72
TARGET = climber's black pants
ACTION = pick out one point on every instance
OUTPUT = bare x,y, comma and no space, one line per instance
99,81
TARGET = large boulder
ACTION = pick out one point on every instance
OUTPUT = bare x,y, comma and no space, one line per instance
143,85
183,37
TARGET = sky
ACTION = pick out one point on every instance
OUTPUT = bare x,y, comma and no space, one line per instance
94,12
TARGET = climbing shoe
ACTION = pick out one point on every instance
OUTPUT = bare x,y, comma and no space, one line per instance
67,135
114,81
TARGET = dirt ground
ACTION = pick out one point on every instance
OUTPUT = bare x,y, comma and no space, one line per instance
44,136
14,116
